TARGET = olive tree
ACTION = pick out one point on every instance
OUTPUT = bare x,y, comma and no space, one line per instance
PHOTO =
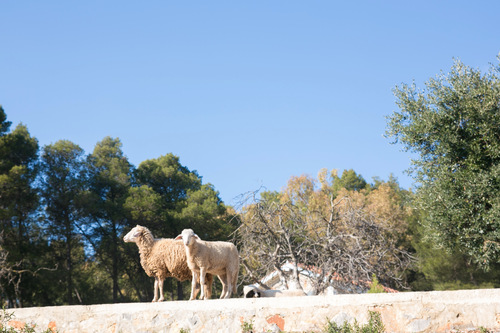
452,126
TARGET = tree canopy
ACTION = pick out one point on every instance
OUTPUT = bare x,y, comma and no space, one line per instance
453,127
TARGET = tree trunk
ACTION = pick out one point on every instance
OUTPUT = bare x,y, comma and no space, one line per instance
69,263
115,264
180,291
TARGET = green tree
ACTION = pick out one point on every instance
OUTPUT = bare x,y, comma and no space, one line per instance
18,199
437,269
453,127
4,124
18,204
109,181
204,211
171,182
63,182
168,197
349,180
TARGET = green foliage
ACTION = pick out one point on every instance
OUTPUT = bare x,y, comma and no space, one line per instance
247,327
375,287
441,269
63,213
351,181
62,187
109,182
19,228
168,197
6,317
4,124
374,325
453,126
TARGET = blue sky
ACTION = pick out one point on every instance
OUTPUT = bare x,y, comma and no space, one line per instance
248,93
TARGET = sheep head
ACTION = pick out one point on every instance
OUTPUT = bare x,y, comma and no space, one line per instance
188,236
133,234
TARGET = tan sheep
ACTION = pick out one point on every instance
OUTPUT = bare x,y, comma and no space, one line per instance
219,258
253,291
162,258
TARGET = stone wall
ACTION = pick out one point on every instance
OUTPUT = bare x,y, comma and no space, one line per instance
450,311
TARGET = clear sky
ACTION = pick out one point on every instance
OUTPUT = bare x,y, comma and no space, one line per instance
248,93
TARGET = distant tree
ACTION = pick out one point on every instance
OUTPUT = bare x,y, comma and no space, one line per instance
171,183
109,181
4,124
62,183
351,181
18,198
18,204
168,197
204,211
453,126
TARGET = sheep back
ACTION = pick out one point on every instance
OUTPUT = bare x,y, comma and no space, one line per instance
216,257
167,258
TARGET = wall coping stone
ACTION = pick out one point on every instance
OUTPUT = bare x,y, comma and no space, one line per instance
436,311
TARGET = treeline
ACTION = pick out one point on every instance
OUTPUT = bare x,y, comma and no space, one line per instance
63,215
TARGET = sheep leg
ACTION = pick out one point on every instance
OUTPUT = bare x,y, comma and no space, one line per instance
209,279
232,280
160,287
229,289
193,285
229,280
196,290
203,271
223,280
156,290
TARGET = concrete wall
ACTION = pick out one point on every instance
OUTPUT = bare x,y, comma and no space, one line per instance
404,312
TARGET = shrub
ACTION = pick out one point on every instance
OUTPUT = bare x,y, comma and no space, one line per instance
375,287
374,325
6,317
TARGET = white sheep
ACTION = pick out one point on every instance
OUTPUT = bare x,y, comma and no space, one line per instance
162,258
253,291
218,258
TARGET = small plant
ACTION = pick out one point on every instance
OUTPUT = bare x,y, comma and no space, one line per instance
6,317
374,325
375,287
247,327
184,330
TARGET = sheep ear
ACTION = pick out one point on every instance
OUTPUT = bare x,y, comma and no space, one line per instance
195,235
178,237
